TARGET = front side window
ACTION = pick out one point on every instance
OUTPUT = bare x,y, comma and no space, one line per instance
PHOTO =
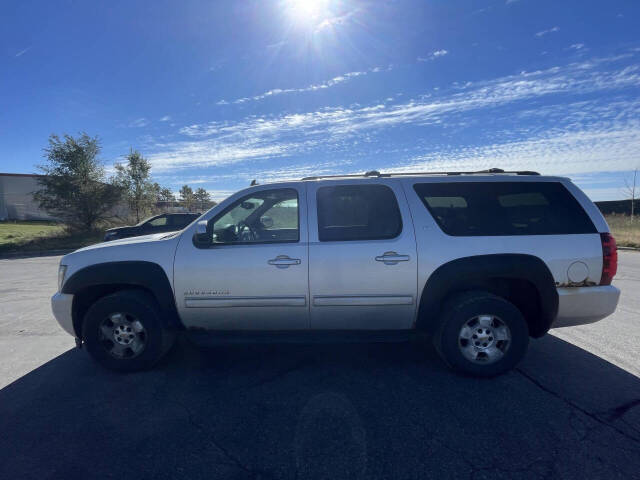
266,216
504,208
357,212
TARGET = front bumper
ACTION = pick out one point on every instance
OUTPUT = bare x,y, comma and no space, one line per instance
61,304
582,305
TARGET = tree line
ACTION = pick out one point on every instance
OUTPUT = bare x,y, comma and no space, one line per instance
76,189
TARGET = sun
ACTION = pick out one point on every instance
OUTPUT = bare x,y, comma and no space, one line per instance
307,11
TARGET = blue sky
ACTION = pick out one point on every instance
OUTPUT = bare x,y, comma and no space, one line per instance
218,93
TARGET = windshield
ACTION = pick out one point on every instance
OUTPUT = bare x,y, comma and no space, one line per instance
145,221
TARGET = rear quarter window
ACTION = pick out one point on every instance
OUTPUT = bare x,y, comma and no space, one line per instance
504,208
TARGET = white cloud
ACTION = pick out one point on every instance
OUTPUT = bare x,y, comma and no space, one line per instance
345,77
334,21
546,32
139,122
433,55
220,195
246,175
166,118
602,194
589,150
276,45
22,52
582,134
294,172
210,153
577,46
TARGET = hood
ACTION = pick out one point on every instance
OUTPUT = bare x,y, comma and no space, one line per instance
127,241
156,248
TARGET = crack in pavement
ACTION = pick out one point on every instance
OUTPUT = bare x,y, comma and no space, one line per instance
618,412
593,416
280,374
233,460
492,467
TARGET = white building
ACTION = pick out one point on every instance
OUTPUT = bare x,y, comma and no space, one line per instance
16,197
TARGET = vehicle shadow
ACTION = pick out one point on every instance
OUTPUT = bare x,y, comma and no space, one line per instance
322,411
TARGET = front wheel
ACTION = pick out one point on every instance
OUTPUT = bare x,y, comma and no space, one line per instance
481,334
122,331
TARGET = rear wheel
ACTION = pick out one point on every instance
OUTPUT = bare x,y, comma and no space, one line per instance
481,334
123,331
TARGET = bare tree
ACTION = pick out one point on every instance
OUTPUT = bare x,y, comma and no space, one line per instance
631,190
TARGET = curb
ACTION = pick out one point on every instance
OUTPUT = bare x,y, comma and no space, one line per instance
36,253
631,249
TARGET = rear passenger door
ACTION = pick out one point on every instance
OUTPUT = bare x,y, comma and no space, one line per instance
362,256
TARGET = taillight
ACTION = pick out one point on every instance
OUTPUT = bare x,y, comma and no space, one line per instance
609,258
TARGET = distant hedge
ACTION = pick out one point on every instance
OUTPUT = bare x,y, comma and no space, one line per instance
618,206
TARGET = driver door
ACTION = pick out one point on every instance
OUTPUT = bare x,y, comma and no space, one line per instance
253,273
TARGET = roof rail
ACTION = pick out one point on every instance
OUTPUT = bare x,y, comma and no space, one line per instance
375,173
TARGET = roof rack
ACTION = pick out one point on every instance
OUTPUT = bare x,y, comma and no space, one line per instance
375,173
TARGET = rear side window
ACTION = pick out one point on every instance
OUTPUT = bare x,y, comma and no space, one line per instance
357,212
504,208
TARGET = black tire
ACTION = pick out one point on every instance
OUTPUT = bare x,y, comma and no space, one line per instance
135,304
466,307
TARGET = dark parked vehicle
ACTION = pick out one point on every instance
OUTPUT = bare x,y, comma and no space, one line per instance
167,222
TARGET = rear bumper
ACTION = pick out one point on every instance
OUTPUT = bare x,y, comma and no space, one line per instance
582,305
61,304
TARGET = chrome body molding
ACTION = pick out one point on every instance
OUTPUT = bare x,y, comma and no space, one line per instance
225,302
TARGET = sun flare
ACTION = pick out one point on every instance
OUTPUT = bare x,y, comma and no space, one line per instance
307,11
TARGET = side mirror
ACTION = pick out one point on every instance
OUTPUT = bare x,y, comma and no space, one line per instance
202,238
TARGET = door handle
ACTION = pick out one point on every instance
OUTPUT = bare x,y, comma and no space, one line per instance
284,261
391,258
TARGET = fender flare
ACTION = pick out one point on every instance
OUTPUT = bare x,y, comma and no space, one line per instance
147,275
493,273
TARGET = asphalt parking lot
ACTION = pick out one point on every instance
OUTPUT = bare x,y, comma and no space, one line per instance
571,410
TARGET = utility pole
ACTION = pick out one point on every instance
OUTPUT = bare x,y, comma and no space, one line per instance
631,191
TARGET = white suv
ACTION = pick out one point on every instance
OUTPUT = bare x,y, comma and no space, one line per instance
480,261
